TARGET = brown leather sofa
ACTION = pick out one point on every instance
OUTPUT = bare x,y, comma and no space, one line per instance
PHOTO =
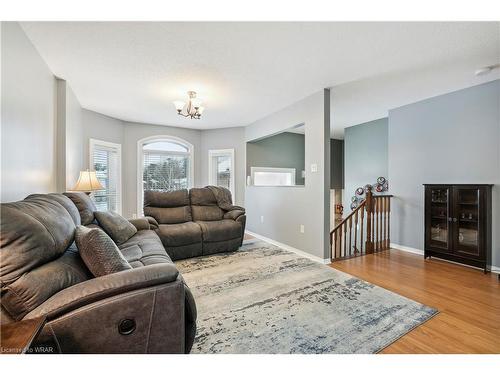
147,309
193,223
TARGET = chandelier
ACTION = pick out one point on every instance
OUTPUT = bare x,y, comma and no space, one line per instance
192,108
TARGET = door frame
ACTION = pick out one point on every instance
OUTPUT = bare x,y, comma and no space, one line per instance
225,152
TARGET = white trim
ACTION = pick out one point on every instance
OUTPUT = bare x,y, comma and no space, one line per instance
407,249
222,152
290,248
140,143
292,171
118,147
495,269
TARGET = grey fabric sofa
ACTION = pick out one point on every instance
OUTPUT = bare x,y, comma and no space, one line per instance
147,309
192,223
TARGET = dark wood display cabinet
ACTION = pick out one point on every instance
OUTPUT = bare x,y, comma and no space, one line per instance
458,224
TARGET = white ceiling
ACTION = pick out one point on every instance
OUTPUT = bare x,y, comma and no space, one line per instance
245,71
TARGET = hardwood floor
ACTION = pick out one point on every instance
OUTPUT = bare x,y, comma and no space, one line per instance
468,301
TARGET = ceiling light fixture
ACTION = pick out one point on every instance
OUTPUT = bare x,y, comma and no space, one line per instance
192,108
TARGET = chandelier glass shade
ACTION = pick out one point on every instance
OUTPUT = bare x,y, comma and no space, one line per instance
192,108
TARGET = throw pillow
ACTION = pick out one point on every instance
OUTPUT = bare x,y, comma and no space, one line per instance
116,226
98,251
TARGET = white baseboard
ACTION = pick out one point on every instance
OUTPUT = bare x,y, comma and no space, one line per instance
289,248
407,249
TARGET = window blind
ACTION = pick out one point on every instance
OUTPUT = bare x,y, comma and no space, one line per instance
164,171
106,165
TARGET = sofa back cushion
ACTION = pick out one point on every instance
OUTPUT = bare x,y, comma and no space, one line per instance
85,206
204,205
34,234
63,200
168,207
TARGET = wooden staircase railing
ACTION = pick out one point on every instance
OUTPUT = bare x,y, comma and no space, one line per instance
365,230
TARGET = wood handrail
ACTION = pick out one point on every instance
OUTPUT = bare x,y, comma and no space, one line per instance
370,222
362,204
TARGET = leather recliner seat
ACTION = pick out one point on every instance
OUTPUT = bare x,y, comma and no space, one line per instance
41,273
192,223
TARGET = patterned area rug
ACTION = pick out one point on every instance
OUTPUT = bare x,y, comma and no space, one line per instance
262,299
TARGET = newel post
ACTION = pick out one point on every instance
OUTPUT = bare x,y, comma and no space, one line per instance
369,224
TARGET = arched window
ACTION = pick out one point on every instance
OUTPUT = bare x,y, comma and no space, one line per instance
165,164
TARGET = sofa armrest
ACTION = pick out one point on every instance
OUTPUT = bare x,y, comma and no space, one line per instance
234,214
153,224
140,224
102,287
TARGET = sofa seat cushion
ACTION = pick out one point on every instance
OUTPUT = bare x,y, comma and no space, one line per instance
221,230
143,249
173,235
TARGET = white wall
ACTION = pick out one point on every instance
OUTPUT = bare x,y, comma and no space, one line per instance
223,139
28,118
285,208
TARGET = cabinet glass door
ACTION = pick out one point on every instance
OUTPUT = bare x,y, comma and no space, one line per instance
439,214
467,202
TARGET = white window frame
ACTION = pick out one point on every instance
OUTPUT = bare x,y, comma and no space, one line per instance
222,152
118,147
140,162
292,171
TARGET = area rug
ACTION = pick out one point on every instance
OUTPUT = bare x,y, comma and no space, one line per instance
262,299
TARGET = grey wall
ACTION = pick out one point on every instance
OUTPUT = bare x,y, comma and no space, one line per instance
133,132
337,164
452,138
28,118
69,135
42,131
366,156
284,150
98,126
104,128
286,208
75,161
216,139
